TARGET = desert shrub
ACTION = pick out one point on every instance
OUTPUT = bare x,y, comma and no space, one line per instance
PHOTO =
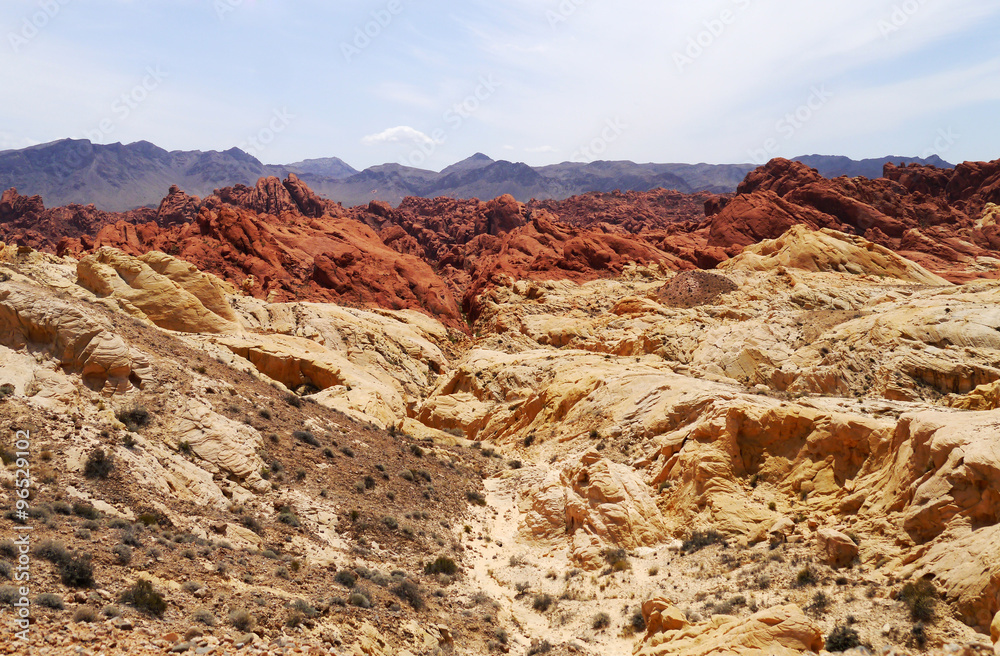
83,533
8,595
359,599
820,603
270,554
701,539
542,602
52,551
50,600
293,401
123,554
475,498
805,577
637,622
441,565
289,518
409,592
203,616
539,647
920,598
601,621
406,475
111,611
264,413
62,508
85,510
134,418
99,464
347,451
8,549
424,474
390,522
242,619
842,638
141,596
617,559
306,437
5,570
251,523
345,578
85,614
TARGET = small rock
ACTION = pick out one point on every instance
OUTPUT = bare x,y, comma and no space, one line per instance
104,594
246,639
207,649
181,647
171,637
124,625
80,598
887,629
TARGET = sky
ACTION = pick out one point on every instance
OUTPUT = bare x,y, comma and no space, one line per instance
540,81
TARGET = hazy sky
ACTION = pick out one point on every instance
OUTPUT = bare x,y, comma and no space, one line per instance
541,81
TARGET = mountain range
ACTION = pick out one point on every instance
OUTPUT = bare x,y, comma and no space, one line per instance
119,177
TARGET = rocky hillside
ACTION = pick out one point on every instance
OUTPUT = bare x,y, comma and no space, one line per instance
759,424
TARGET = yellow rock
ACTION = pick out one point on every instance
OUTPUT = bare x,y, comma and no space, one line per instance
169,293
778,631
829,250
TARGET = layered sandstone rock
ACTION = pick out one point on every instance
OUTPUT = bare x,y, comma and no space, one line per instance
172,294
778,631
75,339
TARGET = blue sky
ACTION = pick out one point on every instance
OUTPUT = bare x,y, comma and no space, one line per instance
540,81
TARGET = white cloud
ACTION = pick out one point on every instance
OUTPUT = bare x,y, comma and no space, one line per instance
398,134
540,149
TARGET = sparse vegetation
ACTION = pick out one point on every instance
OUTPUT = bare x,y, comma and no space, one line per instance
920,598
601,621
441,565
542,602
701,539
242,619
99,464
805,577
50,600
142,596
475,498
842,638
134,417
306,437
409,592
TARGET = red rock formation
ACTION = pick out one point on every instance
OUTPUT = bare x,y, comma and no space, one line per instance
25,221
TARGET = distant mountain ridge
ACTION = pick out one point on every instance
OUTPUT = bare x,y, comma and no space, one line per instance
118,177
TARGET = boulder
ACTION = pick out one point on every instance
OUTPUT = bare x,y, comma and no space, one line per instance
840,550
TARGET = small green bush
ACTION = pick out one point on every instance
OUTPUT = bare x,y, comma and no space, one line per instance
345,578
701,539
921,598
242,620
203,616
409,592
805,577
359,599
85,614
601,621
143,597
542,602
842,638
99,464
50,600
475,498
441,565
306,437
